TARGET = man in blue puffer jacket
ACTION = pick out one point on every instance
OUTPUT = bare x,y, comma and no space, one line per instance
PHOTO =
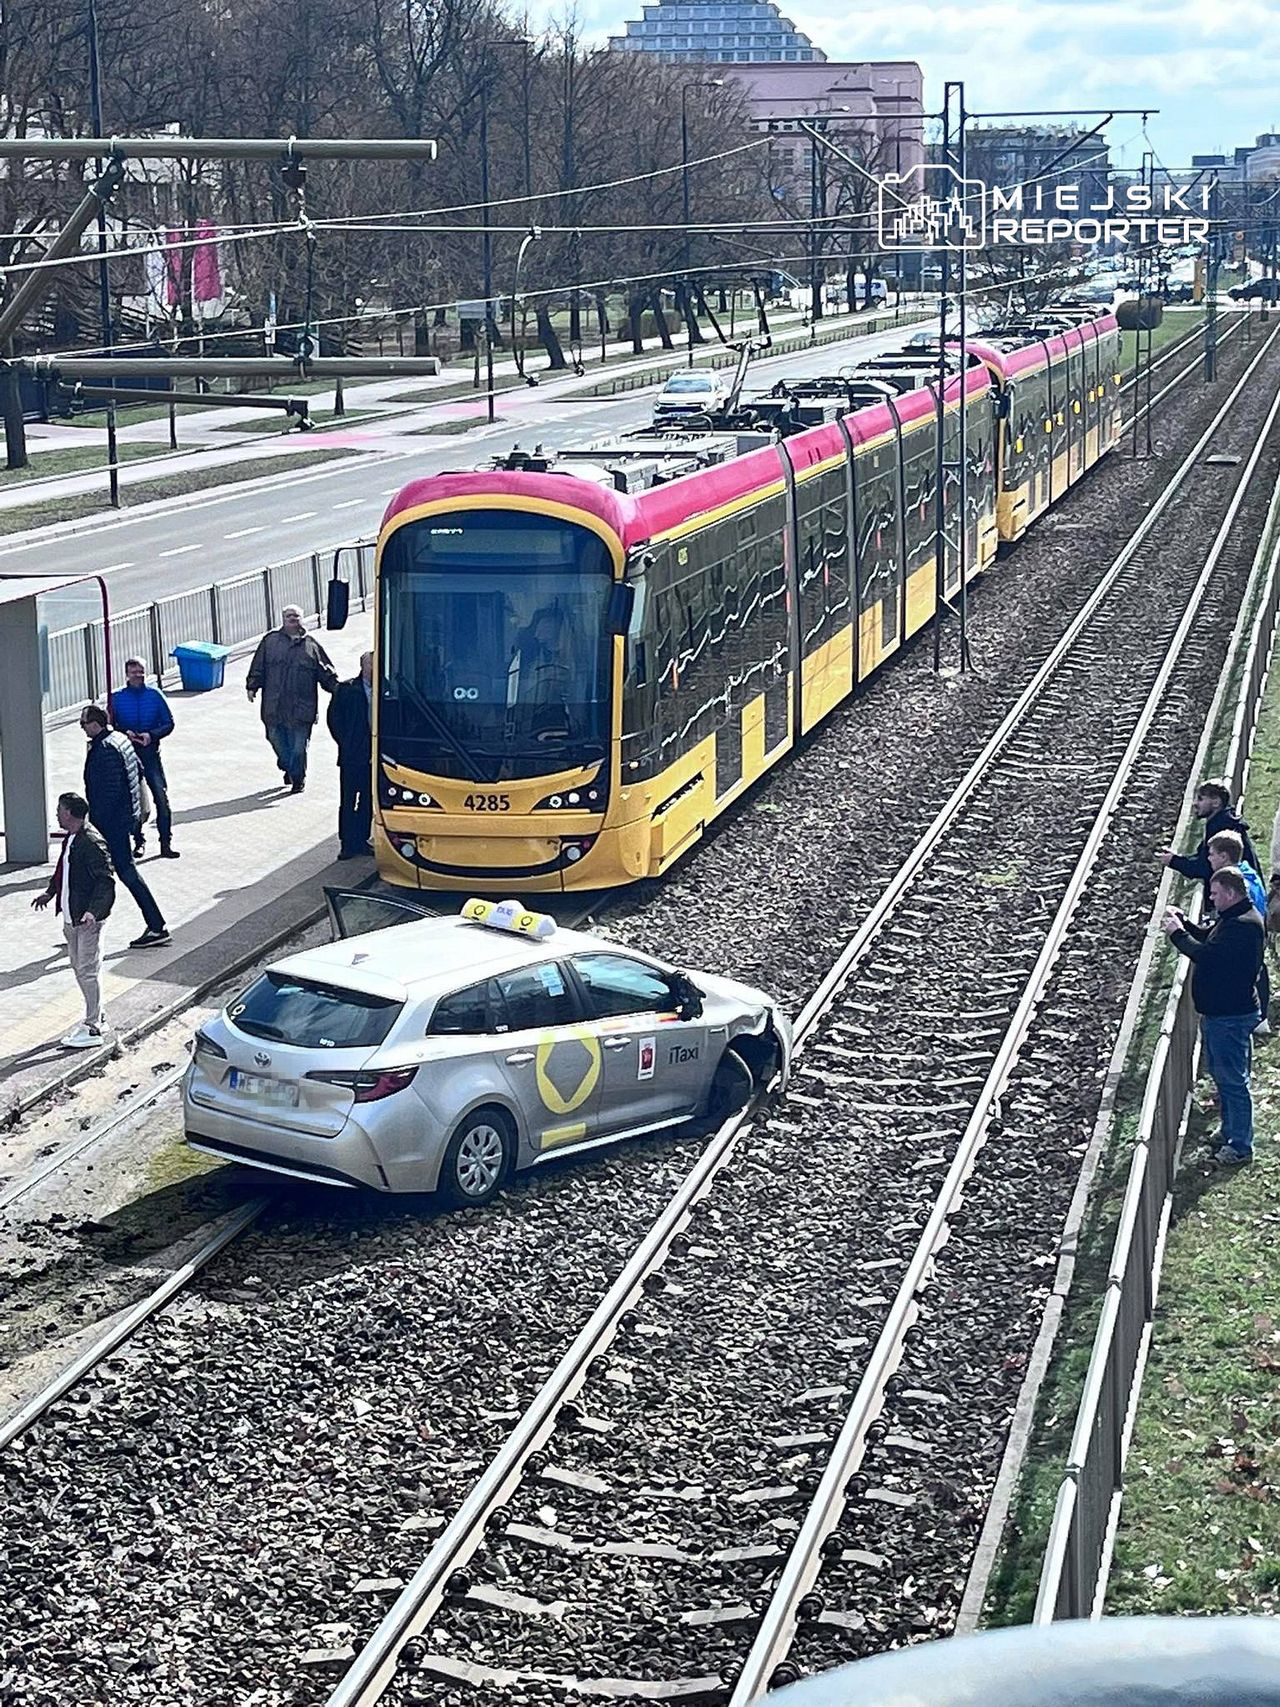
143,714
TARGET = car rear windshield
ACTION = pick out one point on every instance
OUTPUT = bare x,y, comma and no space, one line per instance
312,1016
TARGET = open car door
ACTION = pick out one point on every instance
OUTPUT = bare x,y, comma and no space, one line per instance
353,912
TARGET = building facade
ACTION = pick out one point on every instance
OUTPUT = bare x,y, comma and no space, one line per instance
1039,158
721,32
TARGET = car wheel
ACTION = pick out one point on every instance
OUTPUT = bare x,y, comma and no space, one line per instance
731,1087
477,1160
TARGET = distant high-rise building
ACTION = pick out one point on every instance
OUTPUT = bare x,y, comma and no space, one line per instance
723,32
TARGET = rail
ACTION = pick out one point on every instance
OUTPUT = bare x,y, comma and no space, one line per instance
443,1570
1077,1554
75,666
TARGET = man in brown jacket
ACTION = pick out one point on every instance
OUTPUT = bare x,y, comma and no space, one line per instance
289,667
84,892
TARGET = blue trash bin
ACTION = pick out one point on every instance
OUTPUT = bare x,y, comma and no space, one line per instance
201,664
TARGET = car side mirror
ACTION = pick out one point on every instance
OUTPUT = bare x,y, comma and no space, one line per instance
338,604
688,996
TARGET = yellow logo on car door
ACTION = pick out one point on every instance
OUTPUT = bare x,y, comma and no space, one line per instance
567,1053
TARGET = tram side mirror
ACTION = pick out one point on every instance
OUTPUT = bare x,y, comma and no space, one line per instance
688,997
338,605
622,601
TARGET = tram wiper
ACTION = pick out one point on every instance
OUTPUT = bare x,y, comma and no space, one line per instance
425,710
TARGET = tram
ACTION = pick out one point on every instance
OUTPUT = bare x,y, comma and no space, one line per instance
582,659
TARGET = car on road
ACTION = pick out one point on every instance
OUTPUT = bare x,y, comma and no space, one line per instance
1179,290
688,394
446,1053
1257,290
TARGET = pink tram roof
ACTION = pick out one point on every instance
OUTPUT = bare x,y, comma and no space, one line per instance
1009,363
640,518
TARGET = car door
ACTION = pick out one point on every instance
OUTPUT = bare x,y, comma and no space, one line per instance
654,1063
552,1061
354,912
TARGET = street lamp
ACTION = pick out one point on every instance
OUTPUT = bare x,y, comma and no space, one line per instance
708,83
487,237
104,286
531,236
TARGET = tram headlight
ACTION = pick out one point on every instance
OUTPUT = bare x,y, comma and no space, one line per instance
591,799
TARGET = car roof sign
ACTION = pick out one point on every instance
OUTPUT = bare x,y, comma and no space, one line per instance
509,916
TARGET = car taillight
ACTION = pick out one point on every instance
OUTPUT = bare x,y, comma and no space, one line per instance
370,1087
203,1044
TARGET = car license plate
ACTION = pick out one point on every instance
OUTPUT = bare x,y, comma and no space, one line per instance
274,1091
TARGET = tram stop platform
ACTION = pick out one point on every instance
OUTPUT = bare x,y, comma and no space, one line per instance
254,862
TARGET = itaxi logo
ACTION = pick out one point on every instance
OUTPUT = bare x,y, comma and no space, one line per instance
933,207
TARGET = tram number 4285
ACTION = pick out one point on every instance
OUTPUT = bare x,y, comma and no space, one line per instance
487,803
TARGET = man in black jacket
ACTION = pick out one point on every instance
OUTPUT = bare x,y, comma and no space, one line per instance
1224,984
1213,808
82,890
351,725
113,788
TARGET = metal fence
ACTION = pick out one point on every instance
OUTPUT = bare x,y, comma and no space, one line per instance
1077,1555
233,613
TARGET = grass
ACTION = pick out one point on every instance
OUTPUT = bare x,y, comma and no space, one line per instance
1170,329
1198,1530
132,415
45,464
76,505
287,424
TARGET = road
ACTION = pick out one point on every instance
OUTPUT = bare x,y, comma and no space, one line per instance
217,534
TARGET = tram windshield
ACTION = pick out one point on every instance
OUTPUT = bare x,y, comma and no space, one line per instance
495,645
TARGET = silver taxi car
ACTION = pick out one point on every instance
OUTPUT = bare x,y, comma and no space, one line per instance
446,1053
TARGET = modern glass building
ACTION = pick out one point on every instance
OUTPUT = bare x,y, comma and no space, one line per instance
725,32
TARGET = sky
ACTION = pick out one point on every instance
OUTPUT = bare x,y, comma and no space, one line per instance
1212,67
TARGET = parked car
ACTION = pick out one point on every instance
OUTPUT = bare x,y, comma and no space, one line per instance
445,1053
1259,290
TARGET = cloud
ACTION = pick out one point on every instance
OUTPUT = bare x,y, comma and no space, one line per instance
1214,71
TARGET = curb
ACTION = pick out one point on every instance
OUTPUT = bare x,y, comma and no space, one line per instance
82,1066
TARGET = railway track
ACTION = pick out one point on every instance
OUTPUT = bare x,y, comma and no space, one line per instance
620,1543
166,1084
878,1081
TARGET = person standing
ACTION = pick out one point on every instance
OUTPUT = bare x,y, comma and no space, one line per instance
1227,956
83,891
1213,808
142,714
1227,848
112,786
351,725
288,667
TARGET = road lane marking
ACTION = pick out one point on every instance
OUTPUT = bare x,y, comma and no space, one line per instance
243,533
112,567
350,504
303,516
178,550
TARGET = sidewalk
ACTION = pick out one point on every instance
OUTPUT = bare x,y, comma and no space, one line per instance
253,862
